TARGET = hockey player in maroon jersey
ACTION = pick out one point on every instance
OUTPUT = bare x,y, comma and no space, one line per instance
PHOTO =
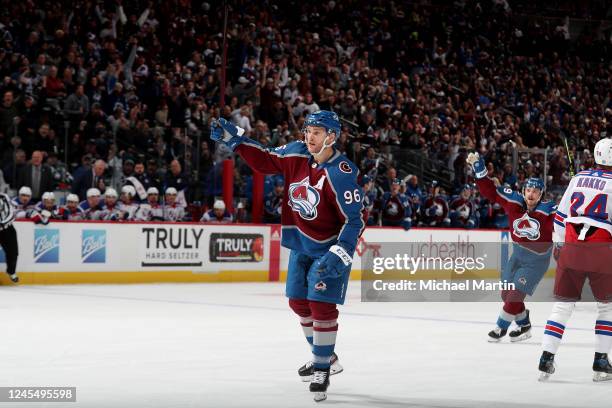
395,207
434,211
531,225
462,210
322,219
583,231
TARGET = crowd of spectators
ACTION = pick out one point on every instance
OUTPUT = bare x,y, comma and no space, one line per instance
104,94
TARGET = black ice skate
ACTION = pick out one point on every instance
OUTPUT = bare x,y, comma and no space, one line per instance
602,370
547,365
496,334
522,332
14,278
307,370
319,384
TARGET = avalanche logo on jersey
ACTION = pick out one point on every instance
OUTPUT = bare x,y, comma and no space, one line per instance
527,227
303,198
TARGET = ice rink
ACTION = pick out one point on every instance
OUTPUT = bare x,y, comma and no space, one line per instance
238,345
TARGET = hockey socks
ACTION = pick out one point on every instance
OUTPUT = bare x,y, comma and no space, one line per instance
325,328
302,309
555,326
603,328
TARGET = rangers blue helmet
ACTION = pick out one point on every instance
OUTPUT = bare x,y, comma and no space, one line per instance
325,119
534,182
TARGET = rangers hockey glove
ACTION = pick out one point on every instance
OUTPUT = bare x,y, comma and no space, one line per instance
226,132
478,165
334,263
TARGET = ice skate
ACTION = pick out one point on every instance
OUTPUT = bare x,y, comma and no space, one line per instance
497,334
307,370
521,332
602,370
319,384
547,365
14,278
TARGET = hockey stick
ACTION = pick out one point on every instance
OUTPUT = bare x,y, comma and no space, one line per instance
569,157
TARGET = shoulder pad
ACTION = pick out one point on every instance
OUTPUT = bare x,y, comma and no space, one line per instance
510,195
294,148
547,207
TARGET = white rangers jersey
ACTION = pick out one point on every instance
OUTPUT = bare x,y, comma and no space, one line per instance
173,212
587,200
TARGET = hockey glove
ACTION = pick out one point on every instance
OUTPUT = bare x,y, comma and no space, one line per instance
334,263
478,165
406,223
226,132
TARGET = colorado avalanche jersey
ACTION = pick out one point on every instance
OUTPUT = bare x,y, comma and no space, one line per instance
462,209
395,208
322,203
587,200
526,227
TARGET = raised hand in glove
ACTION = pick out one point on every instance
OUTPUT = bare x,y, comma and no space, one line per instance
226,132
474,160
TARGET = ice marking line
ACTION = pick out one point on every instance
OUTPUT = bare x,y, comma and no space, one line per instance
279,309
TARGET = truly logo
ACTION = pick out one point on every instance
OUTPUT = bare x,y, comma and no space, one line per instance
93,246
46,245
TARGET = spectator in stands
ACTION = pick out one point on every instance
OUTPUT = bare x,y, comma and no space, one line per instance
175,177
37,176
273,203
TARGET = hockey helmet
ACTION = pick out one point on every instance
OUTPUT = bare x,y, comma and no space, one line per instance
110,192
325,119
25,191
603,152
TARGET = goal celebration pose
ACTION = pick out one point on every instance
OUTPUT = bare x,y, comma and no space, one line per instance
322,218
531,226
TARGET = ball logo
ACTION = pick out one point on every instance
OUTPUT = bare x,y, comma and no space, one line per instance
93,246
526,227
303,198
46,245
345,168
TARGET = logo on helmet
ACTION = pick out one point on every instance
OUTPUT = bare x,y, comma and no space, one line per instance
303,198
527,227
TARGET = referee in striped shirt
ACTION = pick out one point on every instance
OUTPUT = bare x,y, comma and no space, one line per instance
8,236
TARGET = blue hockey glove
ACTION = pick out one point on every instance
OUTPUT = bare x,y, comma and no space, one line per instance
406,223
226,132
334,263
478,165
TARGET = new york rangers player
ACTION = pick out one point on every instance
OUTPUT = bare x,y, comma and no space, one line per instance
322,219
531,225
583,229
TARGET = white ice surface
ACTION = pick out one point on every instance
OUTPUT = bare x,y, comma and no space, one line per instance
238,345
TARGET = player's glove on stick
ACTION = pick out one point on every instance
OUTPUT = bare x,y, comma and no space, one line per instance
478,165
334,263
226,132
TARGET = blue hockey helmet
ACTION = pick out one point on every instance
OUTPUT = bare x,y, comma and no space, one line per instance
535,182
326,119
